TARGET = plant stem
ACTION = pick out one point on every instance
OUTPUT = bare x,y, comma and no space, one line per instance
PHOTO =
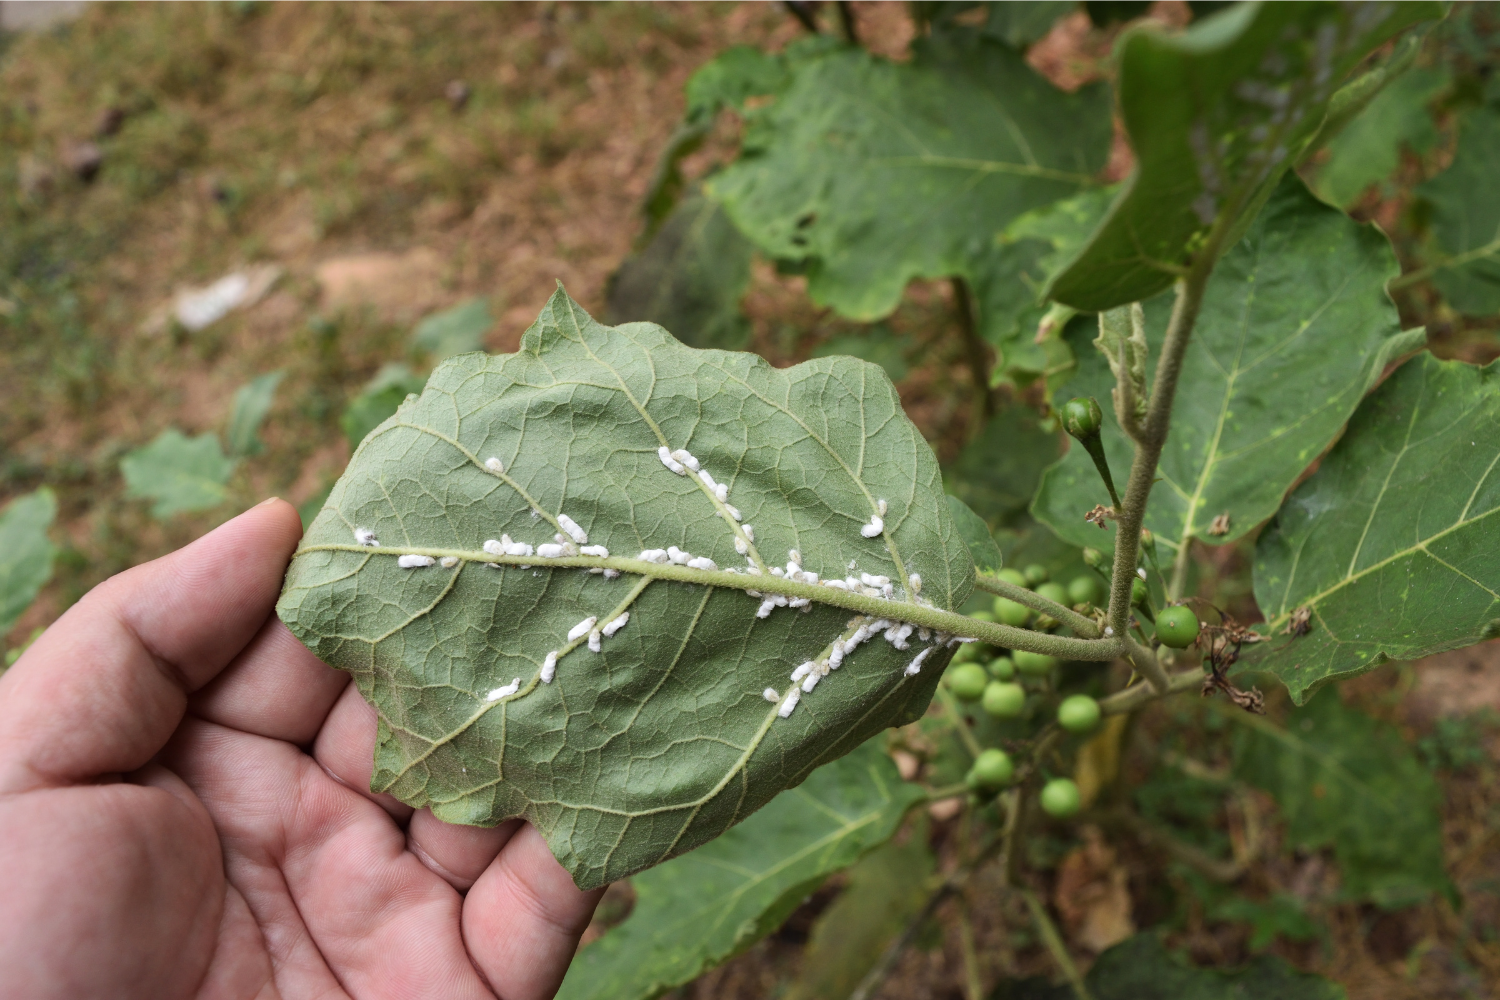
973,986
1133,698
846,21
1080,624
1147,665
1095,447
977,350
965,734
947,792
1048,930
1180,568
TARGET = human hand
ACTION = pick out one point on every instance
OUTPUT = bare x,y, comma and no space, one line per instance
184,812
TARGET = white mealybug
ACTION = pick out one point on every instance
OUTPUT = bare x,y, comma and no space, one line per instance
669,461
365,536
582,628
549,667
653,556
1109,630
789,704
596,645
611,574
741,546
702,562
793,556
1141,572
722,492
571,527
811,681
749,531
414,562
549,550
916,583
448,562
493,566
494,465
875,527
771,695
516,548
836,584
803,670
678,556
595,550
734,511
707,479
765,609
836,657
615,625
504,692
777,571
808,576
494,547
880,507
925,634
799,602
686,458
915,666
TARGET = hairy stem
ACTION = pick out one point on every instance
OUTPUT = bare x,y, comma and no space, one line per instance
1095,447
1135,697
1080,624
975,348
1147,665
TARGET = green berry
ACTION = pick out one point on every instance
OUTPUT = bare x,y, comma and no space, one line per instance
1035,573
1078,713
1003,700
1014,577
1055,592
992,769
1177,627
1060,798
1001,668
1033,664
1139,592
965,652
1094,558
1083,590
1010,613
1082,417
968,681
980,616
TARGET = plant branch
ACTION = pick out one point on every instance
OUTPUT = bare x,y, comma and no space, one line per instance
1135,697
1147,665
1080,624
965,734
803,13
974,347
1054,942
846,21
1180,568
973,986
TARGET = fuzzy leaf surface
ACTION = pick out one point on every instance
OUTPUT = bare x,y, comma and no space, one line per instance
875,172
1215,115
701,909
25,553
1390,544
663,740
1295,328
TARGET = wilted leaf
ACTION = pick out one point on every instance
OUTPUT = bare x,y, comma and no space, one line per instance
1142,969
1390,543
252,401
1466,217
178,473
874,172
1369,147
662,741
1295,328
703,908
976,535
1347,782
25,553
689,278
1215,115
392,384
458,330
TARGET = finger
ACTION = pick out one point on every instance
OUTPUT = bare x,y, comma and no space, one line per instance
275,688
104,687
458,854
345,748
523,918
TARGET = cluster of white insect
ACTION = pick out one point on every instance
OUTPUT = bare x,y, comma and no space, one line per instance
364,536
876,524
504,692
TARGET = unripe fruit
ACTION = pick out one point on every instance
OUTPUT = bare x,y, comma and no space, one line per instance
1035,573
1081,417
1003,699
1033,664
1078,713
1094,558
1014,577
1139,592
1008,612
965,652
992,769
1001,668
968,681
1060,798
1083,590
1053,592
981,616
1177,627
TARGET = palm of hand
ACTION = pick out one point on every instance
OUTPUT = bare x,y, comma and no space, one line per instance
241,856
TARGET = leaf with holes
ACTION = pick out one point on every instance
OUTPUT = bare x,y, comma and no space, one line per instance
1215,115
474,567
1390,544
1294,329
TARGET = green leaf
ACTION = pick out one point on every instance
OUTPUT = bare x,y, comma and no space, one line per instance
689,278
458,330
1368,149
874,172
1390,543
386,391
25,553
662,741
1281,916
703,908
1141,968
178,473
1466,217
252,401
997,473
878,344
1345,781
886,889
1294,329
1215,115
731,78
976,535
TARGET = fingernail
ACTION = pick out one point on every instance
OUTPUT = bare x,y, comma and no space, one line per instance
268,500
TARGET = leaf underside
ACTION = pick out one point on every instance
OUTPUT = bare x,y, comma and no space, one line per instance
1295,328
1390,545
703,908
662,740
